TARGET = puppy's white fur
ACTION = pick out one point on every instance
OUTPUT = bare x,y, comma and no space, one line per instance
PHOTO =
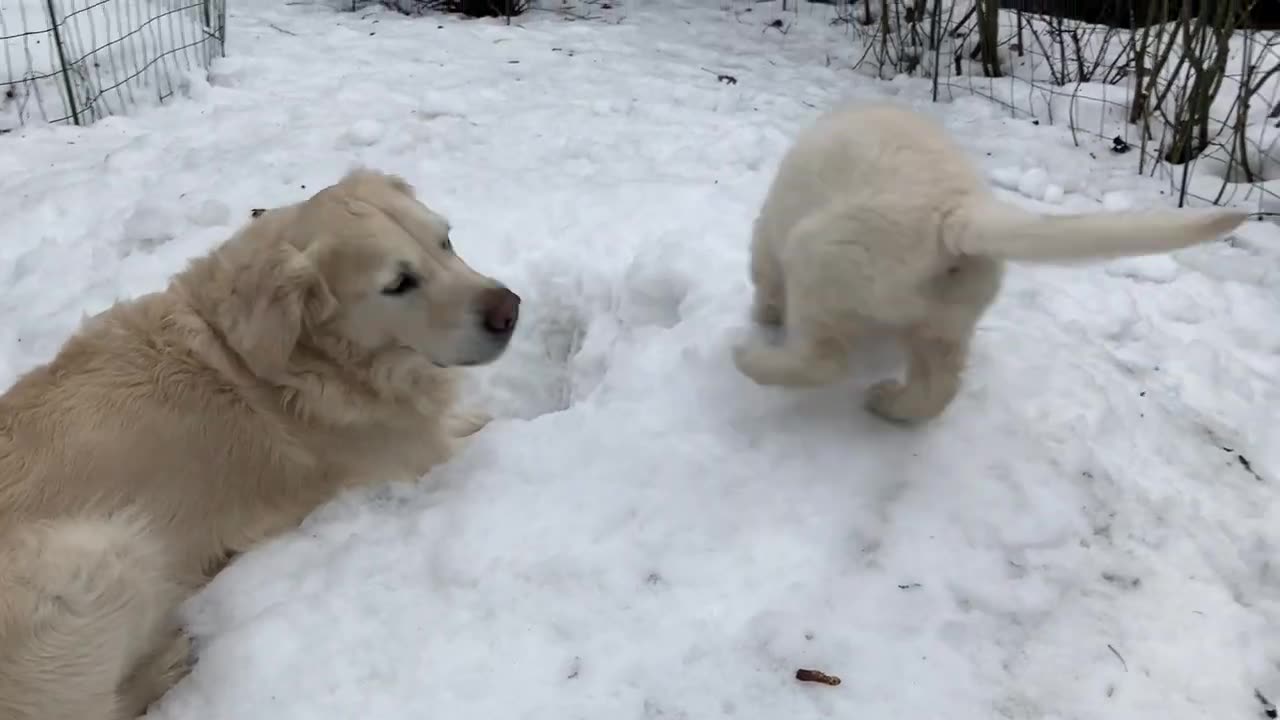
185,426
877,219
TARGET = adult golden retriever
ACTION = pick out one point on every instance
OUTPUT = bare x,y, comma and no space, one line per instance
313,351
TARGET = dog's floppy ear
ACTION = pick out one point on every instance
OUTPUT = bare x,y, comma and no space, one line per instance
263,298
272,300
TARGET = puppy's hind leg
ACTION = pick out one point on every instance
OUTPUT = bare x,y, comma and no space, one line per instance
820,317
813,352
933,378
769,300
801,361
939,346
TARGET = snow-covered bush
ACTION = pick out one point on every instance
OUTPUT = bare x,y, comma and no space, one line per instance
1200,89
470,8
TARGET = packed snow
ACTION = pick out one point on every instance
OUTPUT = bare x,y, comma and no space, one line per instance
1091,532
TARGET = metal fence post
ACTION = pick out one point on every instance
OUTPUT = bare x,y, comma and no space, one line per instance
55,24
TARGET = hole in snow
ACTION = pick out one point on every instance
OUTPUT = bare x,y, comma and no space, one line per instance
571,328
147,228
653,288
535,376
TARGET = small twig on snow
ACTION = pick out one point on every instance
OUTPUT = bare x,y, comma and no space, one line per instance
722,77
1240,458
1119,656
1268,707
1248,466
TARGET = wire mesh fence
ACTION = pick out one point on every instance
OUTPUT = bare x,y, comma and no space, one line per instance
1190,89
75,61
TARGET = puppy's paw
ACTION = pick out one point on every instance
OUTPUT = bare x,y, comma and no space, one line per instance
467,423
900,403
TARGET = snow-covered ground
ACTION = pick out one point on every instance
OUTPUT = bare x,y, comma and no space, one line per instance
1090,533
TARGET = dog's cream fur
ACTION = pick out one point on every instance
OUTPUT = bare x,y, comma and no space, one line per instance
185,426
875,220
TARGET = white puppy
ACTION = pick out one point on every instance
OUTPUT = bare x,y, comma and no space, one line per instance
877,219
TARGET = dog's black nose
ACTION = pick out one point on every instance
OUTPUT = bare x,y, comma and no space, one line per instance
501,309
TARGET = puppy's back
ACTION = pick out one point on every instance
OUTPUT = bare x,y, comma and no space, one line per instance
876,158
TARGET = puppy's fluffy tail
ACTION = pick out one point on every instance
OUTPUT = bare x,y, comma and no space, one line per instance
990,227
84,603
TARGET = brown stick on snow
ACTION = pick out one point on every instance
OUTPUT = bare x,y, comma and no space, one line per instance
817,676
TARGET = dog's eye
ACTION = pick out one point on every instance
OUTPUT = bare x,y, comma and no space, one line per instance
446,245
404,283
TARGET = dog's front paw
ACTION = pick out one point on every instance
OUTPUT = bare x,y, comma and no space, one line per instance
768,315
157,673
897,402
467,423
747,358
